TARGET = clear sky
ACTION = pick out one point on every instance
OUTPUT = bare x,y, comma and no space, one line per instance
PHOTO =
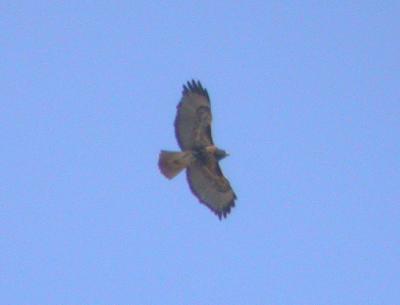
305,97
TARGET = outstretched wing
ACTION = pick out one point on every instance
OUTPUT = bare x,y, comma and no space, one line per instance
211,187
193,118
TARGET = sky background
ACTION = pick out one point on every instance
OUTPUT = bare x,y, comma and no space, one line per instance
305,97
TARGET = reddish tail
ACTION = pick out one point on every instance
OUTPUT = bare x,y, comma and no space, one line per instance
172,163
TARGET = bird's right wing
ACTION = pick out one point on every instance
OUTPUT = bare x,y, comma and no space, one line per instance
193,118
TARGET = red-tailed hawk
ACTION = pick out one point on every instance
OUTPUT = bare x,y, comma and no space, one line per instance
199,155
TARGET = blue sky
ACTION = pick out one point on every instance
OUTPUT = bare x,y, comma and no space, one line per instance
305,97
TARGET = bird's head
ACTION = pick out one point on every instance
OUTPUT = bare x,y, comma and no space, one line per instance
220,154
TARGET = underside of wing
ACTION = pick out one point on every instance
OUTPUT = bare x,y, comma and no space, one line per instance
211,187
193,118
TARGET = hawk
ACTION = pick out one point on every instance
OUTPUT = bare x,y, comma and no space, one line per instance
199,156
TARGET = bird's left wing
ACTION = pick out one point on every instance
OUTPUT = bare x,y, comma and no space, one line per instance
211,187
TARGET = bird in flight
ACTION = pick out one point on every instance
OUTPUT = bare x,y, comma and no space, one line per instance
199,155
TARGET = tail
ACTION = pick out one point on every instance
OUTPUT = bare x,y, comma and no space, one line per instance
172,163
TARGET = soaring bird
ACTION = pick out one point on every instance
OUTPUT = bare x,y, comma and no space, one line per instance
199,155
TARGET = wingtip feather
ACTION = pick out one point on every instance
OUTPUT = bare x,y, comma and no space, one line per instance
195,87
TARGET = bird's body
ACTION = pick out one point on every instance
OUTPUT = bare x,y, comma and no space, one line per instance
199,155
